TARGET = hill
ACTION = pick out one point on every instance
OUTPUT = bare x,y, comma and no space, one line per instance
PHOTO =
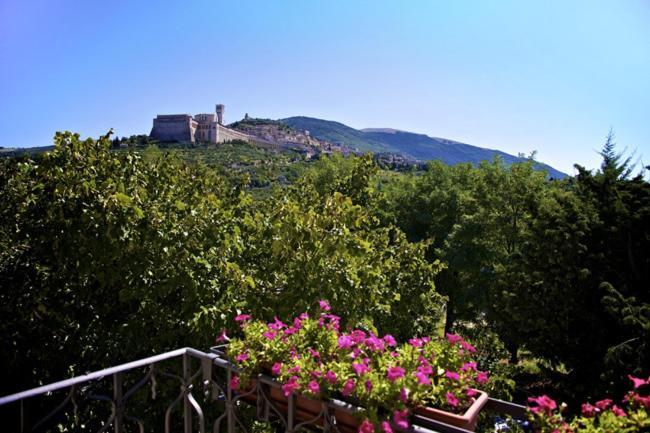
412,145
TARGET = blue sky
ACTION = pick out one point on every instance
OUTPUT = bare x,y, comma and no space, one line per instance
551,76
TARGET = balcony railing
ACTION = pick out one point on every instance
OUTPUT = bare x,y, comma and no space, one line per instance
166,397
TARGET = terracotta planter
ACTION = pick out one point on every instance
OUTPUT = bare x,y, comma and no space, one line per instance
466,421
307,409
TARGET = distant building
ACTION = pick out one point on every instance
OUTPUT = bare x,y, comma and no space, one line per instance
201,128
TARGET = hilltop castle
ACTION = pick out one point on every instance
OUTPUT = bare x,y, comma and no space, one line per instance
185,128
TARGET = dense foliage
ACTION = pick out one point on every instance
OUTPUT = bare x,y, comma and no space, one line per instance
107,255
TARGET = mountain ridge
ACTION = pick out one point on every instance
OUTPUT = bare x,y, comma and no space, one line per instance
419,147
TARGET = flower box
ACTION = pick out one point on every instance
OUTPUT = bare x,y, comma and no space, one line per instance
466,421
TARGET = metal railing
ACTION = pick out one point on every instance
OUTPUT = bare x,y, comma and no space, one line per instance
203,375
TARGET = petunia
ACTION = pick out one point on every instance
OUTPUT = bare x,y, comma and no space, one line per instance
468,366
324,305
345,342
604,404
465,345
277,368
277,324
234,383
368,385
618,411
452,400
242,357
423,379
482,377
400,418
290,386
394,373
452,375
358,336
638,382
453,338
375,344
385,426
313,387
415,342
223,337
330,376
270,335
360,368
544,403
403,395
366,427
348,387
588,410
390,340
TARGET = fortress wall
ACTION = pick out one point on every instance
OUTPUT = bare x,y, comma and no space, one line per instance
226,134
179,128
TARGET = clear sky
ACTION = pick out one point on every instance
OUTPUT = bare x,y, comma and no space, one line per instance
551,76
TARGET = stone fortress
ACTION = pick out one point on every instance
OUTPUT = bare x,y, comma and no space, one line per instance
201,128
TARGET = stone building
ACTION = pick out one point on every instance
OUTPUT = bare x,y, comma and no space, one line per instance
201,128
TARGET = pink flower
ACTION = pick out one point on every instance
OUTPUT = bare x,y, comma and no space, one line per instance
241,357
366,427
604,404
588,410
290,386
360,368
242,318
452,375
482,377
277,324
330,376
234,383
453,338
394,354
638,382
368,385
385,426
390,340
618,411
313,387
358,336
468,366
394,373
465,345
544,404
375,344
276,369
423,378
425,369
471,393
400,418
415,342
313,353
348,388
345,342
324,305
222,337
403,395
294,369
269,334
291,330
452,400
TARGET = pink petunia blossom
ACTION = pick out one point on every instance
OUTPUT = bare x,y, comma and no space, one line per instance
324,305
471,393
482,377
360,368
316,374
453,338
358,336
638,382
394,373
544,403
452,400
234,383
618,411
588,410
223,337
348,388
290,330
465,345
270,335
277,324
345,342
390,340
385,426
242,319
368,385
425,369
241,357
294,369
290,386
604,404
375,343
423,379
313,353
366,427
415,342
468,366
330,376
452,375
313,387
277,368
400,418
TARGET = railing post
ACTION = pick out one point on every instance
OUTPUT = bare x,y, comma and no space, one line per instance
187,407
230,409
118,421
290,412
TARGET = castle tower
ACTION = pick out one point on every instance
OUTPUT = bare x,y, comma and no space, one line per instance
220,109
